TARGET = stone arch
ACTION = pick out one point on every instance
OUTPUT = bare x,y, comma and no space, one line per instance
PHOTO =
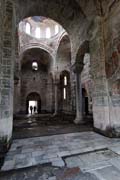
87,85
37,45
69,15
78,68
63,56
84,48
67,12
61,37
32,80
30,52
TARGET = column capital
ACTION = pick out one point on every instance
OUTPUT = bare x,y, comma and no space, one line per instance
77,67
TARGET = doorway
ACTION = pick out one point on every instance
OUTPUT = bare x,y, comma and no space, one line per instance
85,100
33,107
33,103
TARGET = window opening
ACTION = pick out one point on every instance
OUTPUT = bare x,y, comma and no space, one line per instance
65,80
37,32
27,28
64,93
56,29
48,33
35,66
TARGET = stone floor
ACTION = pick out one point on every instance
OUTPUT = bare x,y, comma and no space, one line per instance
48,172
72,156
46,124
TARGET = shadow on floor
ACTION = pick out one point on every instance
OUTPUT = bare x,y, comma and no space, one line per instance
45,172
44,125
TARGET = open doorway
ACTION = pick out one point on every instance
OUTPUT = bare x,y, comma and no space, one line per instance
33,104
85,100
33,107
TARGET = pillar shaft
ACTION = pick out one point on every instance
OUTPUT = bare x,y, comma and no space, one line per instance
79,114
56,98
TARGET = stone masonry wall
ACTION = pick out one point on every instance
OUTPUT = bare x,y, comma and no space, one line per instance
112,63
6,72
36,82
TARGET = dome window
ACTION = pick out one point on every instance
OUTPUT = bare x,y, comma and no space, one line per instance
56,29
37,32
27,28
48,33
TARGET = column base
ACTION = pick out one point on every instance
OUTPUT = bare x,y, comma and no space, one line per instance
79,121
54,114
109,132
4,147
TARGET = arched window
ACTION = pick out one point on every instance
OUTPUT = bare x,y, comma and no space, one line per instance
56,29
35,66
65,80
48,33
64,93
27,28
37,32
65,88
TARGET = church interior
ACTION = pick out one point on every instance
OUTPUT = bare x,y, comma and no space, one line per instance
60,90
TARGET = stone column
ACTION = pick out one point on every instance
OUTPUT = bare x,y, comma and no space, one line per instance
79,113
77,68
56,82
56,99
17,86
